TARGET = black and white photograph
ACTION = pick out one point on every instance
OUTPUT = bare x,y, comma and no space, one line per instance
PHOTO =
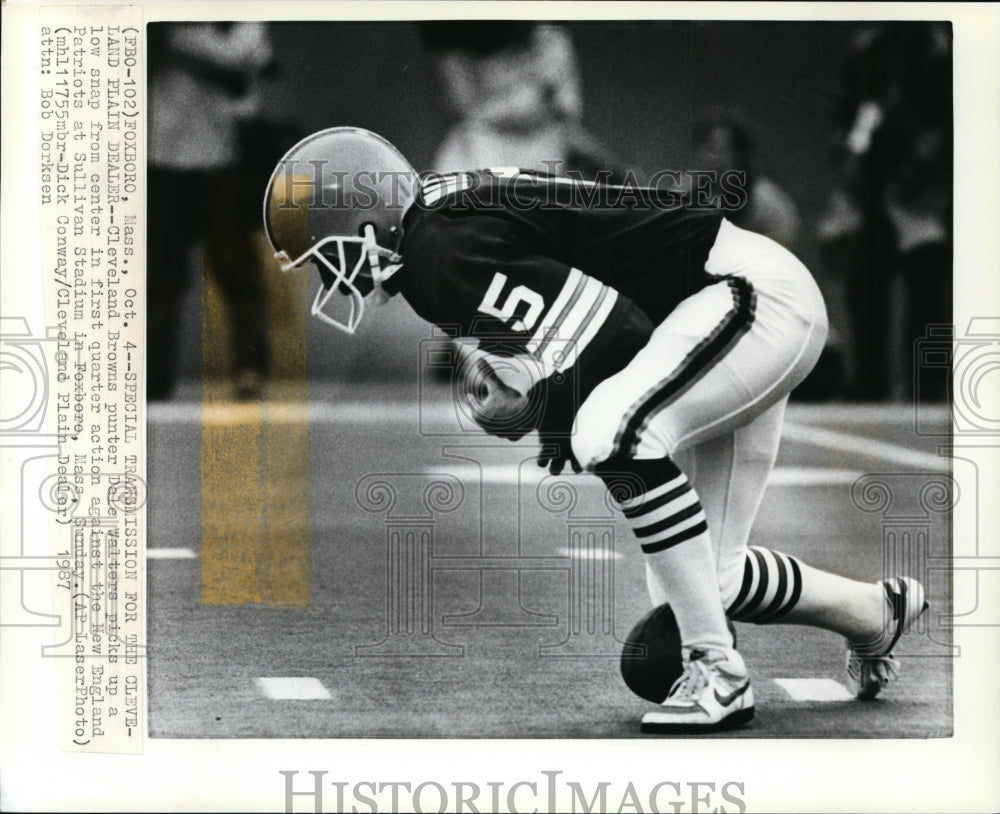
564,388
499,406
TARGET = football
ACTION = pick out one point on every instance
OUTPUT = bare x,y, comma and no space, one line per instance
651,656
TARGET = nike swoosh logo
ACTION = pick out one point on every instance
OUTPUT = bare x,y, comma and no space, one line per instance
726,700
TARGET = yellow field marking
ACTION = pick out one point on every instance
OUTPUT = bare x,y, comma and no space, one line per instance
255,472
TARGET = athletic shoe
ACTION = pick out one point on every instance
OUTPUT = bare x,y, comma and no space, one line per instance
871,665
712,694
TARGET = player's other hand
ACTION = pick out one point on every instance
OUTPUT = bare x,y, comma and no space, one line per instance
556,452
497,408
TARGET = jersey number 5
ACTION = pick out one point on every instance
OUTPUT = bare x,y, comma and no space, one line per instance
518,295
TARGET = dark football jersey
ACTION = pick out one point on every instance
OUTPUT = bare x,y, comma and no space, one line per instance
643,243
572,273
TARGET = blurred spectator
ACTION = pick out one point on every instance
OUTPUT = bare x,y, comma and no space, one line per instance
204,104
888,221
513,88
722,144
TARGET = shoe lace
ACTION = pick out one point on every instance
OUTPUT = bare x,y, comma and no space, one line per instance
854,666
880,666
691,681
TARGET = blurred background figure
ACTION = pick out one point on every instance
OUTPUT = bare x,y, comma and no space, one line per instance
721,144
887,224
513,90
459,95
206,137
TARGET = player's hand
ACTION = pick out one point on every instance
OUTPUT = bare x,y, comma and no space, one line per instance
497,408
556,452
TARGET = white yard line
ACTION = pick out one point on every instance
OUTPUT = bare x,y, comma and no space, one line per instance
888,413
589,553
281,688
862,445
814,689
812,476
529,473
437,411
170,554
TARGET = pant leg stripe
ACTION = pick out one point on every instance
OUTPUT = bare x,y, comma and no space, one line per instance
680,537
702,358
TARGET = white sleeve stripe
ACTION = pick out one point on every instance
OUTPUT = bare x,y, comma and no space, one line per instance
598,319
594,308
559,356
572,323
575,318
434,191
435,181
569,294
437,193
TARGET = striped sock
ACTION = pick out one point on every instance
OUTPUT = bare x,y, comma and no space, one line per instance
666,516
771,587
659,503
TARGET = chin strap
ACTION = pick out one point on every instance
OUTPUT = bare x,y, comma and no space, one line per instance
376,253
378,295
373,255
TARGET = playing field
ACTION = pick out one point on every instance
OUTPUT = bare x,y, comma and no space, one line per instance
360,566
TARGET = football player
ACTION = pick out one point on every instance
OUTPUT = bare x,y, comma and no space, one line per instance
664,342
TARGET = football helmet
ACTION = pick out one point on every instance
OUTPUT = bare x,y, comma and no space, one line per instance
337,199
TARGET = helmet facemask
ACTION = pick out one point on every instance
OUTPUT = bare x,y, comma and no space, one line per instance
358,280
336,200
